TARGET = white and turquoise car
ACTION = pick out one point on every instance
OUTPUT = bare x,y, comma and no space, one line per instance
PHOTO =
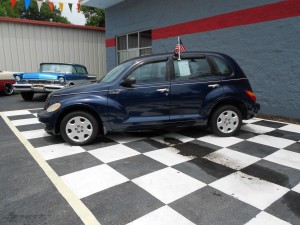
51,77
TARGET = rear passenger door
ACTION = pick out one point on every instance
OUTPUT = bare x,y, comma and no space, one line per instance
194,85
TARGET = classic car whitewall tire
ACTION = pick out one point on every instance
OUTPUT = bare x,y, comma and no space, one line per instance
8,89
226,121
79,128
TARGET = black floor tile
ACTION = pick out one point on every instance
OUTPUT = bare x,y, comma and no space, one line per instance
209,206
274,173
145,145
121,204
271,124
136,166
254,149
287,208
73,163
203,170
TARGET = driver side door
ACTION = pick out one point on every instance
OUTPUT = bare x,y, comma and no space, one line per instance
145,103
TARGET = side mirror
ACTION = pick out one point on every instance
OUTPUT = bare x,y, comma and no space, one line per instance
128,82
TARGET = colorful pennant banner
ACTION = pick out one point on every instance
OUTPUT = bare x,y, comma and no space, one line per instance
50,3
13,2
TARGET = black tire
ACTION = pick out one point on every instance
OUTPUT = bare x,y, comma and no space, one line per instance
226,120
27,96
79,128
8,89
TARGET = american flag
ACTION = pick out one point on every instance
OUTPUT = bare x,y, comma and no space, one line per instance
179,47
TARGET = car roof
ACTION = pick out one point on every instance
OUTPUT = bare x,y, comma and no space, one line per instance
72,64
183,54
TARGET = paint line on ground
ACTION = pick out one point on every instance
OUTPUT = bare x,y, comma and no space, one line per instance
80,209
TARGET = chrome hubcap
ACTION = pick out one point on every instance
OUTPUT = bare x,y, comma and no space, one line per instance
79,129
8,88
228,121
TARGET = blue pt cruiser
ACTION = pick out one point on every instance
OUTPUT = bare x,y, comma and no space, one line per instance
156,91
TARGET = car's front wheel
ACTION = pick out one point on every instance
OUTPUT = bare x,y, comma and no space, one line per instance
79,128
8,89
27,96
226,120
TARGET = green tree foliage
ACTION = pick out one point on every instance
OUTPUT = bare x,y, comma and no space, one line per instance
32,13
94,16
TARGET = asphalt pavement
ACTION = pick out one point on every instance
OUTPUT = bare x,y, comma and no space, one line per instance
27,195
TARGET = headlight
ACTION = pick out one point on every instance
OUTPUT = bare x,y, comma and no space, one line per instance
18,78
61,79
53,107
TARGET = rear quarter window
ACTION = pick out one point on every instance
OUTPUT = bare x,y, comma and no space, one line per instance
221,67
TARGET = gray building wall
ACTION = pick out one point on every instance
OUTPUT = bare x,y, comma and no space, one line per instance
268,52
24,46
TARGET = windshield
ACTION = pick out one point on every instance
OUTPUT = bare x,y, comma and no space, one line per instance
114,73
57,68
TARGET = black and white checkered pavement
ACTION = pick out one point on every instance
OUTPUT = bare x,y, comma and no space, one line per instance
186,177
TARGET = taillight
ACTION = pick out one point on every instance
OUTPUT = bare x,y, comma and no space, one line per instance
251,95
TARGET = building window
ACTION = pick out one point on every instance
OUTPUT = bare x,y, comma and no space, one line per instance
134,45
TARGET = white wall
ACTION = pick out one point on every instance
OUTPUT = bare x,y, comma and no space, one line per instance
24,46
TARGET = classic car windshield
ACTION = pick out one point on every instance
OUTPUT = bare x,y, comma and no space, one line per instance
114,73
57,68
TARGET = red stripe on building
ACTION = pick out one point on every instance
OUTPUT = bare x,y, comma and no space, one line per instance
111,42
269,12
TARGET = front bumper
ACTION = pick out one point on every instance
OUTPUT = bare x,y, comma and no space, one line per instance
37,87
49,119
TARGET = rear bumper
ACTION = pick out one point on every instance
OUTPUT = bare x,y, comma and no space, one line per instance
42,88
252,110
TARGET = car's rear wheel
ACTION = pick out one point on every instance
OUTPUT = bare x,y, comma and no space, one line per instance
8,89
79,128
27,96
226,120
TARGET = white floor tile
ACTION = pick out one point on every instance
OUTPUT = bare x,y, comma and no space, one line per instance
220,141
297,188
25,122
264,218
113,153
168,184
16,113
162,216
59,150
291,127
249,189
256,128
286,158
35,134
123,138
271,141
232,159
92,180
253,120
168,156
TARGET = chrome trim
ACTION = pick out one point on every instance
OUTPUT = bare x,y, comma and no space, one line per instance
205,82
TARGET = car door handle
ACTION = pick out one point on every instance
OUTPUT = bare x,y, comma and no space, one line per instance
214,85
162,90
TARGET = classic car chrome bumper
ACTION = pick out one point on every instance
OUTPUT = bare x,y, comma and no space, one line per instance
37,87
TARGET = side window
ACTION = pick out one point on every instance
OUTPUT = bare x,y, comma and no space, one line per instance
194,68
149,73
80,70
222,69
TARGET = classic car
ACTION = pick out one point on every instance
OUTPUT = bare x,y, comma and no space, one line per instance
6,82
155,92
51,77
